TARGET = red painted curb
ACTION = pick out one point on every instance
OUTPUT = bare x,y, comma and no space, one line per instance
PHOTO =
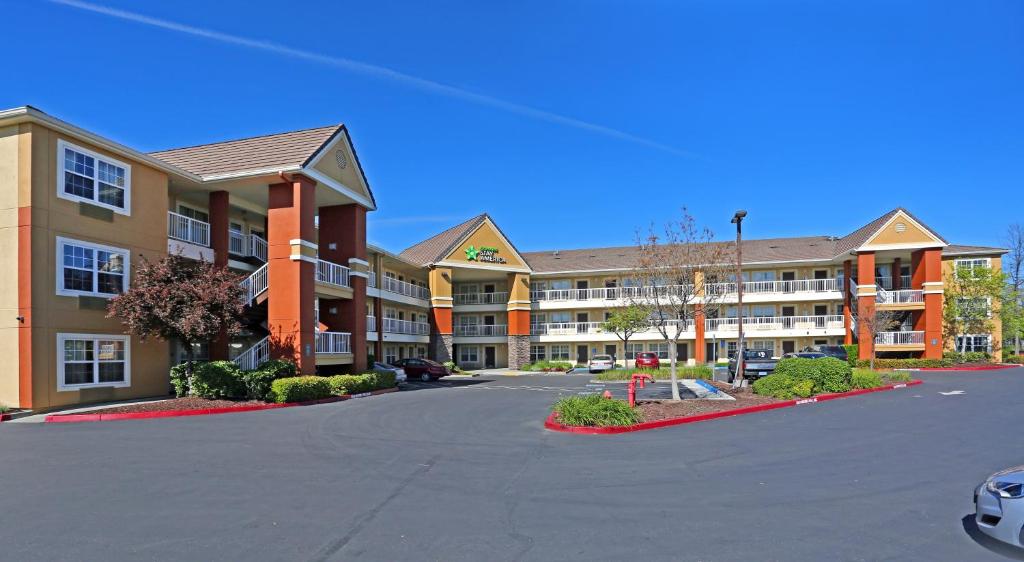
6,417
552,424
75,418
970,368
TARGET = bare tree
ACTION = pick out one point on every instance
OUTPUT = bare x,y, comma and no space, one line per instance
1014,269
673,272
874,322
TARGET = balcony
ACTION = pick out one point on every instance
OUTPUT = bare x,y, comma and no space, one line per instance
481,330
333,343
371,323
184,229
396,326
754,324
902,340
777,287
480,298
333,274
247,245
393,285
606,293
903,296
589,328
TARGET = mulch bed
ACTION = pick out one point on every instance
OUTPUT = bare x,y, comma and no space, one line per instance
654,410
177,405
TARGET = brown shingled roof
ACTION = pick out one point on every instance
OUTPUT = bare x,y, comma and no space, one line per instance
283,150
961,249
858,237
435,248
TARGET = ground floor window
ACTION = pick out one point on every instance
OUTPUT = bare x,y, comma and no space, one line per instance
632,349
560,353
469,354
973,343
537,353
730,349
421,352
768,345
390,355
88,360
660,348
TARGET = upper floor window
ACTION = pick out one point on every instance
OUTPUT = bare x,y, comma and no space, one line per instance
971,264
90,269
84,175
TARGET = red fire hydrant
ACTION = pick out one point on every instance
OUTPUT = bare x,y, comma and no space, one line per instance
632,386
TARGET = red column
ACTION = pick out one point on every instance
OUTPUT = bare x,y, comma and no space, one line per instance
897,279
865,303
700,354
917,271
218,210
378,311
847,302
290,272
932,303
343,241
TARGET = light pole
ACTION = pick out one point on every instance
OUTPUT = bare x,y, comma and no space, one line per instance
737,219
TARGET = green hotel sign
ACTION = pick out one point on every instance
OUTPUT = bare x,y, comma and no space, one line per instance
486,254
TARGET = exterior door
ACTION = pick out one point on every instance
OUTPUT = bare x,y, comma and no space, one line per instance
821,274
789,276
490,353
582,319
610,350
610,285
788,347
682,352
581,289
581,354
710,351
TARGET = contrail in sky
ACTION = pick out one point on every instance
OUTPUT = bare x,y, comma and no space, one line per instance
374,70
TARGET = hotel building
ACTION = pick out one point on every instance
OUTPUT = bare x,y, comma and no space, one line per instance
288,213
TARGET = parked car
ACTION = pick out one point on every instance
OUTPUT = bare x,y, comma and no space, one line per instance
423,369
999,506
647,360
757,363
837,351
600,363
400,376
804,355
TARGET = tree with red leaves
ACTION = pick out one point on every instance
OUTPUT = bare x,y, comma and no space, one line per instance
193,301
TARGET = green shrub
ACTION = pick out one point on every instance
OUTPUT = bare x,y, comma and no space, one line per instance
547,366
896,377
281,368
451,366
299,389
852,351
783,387
358,384
968,357
258,381
864,378
179,378
216,380
828,374
683,372
906,363
595,411
4,408
1019,359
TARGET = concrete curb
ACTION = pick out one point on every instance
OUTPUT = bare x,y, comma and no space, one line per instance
966,368
552,423
77,418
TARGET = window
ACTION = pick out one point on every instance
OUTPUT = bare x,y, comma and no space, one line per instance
975,307
537,353
88,360
561,317
730,349
761,311
193,214
767,345
561,285
90,269
971,264
390,355
632,349
969,343
660,348
469,354
84,175
560,353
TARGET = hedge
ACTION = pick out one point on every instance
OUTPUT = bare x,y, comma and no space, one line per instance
828,374
866,379
179,378
783,387
258,381
682,372
216,380
299,389
852,353
357,384
547,366
595,411
905,363
967,357
1013,359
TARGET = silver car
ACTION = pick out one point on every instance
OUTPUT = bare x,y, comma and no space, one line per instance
398,371
600,363
999,506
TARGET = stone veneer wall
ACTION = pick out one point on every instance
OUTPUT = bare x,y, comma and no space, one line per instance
441,347
518,351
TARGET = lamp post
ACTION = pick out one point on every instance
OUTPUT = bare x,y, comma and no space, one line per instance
737,219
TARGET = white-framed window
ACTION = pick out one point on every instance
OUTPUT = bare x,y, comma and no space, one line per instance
561,317
973,307
537,353
660,348
560,285
390,354
730,348
632,349
768,345
194,214
974,342
93,360
88,269
469,354
560,352
762,310
84,175
971,264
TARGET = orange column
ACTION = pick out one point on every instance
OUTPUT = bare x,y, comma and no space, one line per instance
933,288
865,302
343,241
847,302
897,279
442,341
218,210
291,266
700,354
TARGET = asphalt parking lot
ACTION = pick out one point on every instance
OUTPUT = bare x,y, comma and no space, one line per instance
465,471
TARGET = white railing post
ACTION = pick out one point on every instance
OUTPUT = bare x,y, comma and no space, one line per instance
180,227
332,274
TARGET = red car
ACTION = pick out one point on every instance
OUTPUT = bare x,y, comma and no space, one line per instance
647,360
423,369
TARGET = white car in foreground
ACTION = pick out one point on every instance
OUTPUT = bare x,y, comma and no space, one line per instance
398,371
600,363
999,506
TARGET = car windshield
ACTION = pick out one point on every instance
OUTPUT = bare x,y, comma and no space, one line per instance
832,349
602,358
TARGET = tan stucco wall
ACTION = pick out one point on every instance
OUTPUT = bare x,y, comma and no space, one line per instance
912,235
142,233
350,176
948,266
488,236
9,266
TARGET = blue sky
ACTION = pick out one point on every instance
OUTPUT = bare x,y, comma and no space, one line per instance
575,123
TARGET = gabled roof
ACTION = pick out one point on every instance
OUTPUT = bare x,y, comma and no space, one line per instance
262,154
437,247
862,235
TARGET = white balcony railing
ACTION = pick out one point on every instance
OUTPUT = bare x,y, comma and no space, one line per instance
247,245
396,326
331,273
903,296
255,356
608,293
180,227
481,330
393,285
778,287
371,323
899,338
254,285
257,247
768,323
334,342
576,328
480,298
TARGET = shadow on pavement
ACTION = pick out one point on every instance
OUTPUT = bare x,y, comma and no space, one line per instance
987,542
439,385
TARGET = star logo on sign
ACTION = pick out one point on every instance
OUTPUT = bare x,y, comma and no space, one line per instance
471,253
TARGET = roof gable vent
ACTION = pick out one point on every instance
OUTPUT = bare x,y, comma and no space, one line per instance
901,227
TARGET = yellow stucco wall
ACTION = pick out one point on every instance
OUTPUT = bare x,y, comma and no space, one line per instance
9,265
486,237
